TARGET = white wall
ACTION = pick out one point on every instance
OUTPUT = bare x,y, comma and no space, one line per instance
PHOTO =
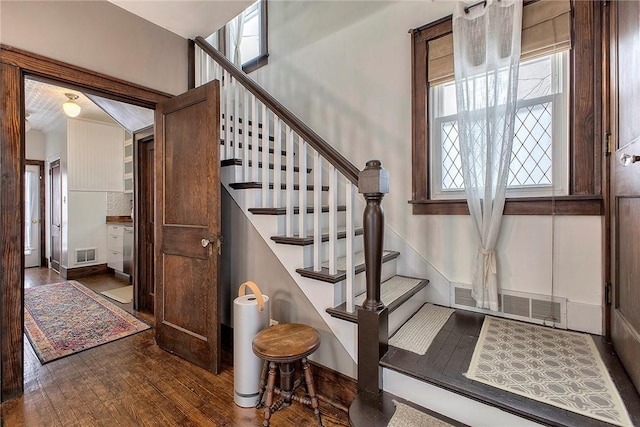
99,36
35,148
344,68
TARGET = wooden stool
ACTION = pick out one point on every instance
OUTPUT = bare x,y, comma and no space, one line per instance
285,344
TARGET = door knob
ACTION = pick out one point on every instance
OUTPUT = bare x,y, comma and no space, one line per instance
205,242
627,159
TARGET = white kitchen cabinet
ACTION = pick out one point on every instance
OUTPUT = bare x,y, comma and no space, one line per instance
115,247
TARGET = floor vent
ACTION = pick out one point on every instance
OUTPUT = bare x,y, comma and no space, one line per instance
85,255
535,308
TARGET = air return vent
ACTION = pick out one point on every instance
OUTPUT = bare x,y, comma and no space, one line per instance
534,308
85,255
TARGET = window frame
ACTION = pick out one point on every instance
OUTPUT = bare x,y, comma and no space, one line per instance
262,58
585,144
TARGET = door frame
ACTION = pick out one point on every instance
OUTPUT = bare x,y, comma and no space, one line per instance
15,65
41,203
141,300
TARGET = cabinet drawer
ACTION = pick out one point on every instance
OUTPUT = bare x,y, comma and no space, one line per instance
114,260
114,243
116,230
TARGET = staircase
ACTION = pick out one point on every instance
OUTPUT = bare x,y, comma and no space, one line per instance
299,193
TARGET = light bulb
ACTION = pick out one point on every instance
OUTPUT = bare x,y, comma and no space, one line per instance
70,108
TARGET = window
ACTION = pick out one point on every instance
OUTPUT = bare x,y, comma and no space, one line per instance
539,154
253,41
567,152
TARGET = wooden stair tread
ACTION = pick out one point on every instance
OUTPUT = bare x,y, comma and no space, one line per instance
394,292
238,162
304,241
253,185
323,274
296,210
376,410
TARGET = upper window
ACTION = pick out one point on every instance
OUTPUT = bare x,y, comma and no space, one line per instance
539,155
245,36
556,162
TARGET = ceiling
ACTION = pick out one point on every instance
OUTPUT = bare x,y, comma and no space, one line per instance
43,106
187,18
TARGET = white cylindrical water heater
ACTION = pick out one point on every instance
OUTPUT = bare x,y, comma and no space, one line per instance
250,316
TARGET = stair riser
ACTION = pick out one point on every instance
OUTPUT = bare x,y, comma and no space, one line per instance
389,269
341,249
324,223
399,316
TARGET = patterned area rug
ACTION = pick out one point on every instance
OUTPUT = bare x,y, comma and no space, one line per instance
406,416
557,367
65,318
418,333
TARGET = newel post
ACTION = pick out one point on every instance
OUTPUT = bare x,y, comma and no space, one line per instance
373,317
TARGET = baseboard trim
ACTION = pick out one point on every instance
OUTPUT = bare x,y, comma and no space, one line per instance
79,272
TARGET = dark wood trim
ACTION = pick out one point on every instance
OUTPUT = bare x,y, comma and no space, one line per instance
258,185
12,150
334,387
607,54
15,65
305,241
255,63
86,271
50,70
564,205
296,210
191,64
585,128
119,218
298,126
324,276
41,201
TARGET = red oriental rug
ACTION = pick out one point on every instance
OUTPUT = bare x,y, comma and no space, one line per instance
64,318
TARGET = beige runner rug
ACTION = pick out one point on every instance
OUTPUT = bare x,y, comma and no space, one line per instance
552,366
123,295
418,333
406,416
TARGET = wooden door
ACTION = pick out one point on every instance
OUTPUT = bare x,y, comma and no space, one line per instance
56,215
144,220
625,184
187,226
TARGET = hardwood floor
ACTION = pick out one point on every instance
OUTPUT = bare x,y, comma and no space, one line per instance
132,382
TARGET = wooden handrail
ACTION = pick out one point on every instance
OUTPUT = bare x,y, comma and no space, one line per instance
305,132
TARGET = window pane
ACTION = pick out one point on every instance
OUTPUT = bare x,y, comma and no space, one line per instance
250,44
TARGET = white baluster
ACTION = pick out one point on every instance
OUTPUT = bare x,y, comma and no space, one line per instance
290,184
248,99
333,218
236,119
350,191
255,142
223,124
317,207
265,156
302,187
227,115
277,160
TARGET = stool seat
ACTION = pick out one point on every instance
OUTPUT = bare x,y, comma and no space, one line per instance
286,342
284,346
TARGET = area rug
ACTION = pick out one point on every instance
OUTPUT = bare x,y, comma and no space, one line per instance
418,333
123,295
560,368
406,416
64,318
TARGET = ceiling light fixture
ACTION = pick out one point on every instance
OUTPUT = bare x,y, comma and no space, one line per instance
70,107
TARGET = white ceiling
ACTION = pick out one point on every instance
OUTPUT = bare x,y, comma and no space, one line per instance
187,18
43,106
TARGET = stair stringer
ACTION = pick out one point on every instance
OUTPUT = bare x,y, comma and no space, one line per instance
320,294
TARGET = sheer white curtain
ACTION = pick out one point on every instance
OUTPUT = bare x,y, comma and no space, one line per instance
486,40
236,27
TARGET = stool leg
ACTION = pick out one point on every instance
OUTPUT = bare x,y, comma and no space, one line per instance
271,383
263,383
311,389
